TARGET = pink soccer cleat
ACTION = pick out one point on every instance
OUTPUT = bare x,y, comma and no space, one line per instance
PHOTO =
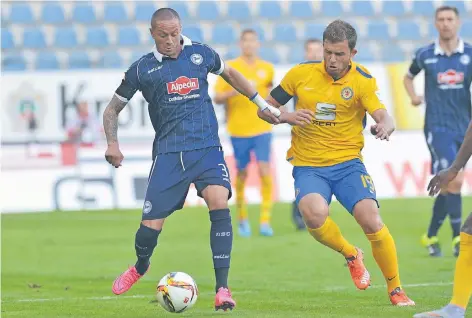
223,300
124,282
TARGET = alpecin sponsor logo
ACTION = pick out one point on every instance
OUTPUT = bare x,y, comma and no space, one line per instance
182,85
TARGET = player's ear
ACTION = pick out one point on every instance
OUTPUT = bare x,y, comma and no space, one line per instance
353,52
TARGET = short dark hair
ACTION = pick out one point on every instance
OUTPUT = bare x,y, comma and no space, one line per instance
248,31
164,14
312,40
339,31
446,8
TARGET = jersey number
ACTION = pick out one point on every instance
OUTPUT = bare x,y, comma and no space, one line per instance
368,183
325,111
225,174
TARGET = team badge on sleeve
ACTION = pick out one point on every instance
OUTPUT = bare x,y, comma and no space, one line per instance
347,93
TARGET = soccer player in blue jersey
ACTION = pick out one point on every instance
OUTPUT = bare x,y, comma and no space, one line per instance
186,148
448,76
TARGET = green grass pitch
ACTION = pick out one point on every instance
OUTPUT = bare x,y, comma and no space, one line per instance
62,264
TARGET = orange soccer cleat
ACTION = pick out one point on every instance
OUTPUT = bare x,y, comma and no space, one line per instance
399,298
360,275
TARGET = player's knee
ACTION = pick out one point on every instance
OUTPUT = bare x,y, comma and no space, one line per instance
264,168
367,215
467,227
154,224
314,210
216,197
242,174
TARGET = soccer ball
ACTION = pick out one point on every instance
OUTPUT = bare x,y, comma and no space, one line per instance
177,292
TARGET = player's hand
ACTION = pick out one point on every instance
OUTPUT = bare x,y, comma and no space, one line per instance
381,131
300,117
441,180
113,155
267,116
417,100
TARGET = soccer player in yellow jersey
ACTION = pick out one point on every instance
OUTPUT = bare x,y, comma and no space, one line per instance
326,153
248,132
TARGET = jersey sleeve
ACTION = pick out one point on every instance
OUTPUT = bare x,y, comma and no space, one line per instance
287,87
216,65
416,64
129,84
370,97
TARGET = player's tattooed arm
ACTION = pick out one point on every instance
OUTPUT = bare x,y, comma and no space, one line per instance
110,119
384,126
113,154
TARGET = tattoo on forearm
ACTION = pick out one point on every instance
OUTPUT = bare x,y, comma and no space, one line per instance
110,119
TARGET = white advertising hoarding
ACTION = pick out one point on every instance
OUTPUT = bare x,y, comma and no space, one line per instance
399,168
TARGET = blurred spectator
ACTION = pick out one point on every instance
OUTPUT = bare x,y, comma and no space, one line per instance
83,126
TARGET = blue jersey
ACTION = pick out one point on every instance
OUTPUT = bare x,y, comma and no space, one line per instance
180,108
447,86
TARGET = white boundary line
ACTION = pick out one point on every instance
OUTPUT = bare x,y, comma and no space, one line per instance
336,288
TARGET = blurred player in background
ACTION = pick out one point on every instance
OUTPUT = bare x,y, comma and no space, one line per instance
448,76
83,125
326,154
186,148
313,52
83,128
249,134
462,290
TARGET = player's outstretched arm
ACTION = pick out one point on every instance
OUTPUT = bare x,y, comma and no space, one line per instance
110,124
384,126
244,87
300,117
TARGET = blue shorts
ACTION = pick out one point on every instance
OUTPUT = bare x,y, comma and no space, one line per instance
243,146
348,181
443,147
172,173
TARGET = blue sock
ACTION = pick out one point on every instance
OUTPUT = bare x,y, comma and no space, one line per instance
144,244
221,242
439,214
454,208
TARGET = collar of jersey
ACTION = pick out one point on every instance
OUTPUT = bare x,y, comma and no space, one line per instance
439,51
343,79
159,56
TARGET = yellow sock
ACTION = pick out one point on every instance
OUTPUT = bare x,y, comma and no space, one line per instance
462,290
240,198
266,193
330,235
385,254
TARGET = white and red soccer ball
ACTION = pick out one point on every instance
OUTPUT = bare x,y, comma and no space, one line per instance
177,292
